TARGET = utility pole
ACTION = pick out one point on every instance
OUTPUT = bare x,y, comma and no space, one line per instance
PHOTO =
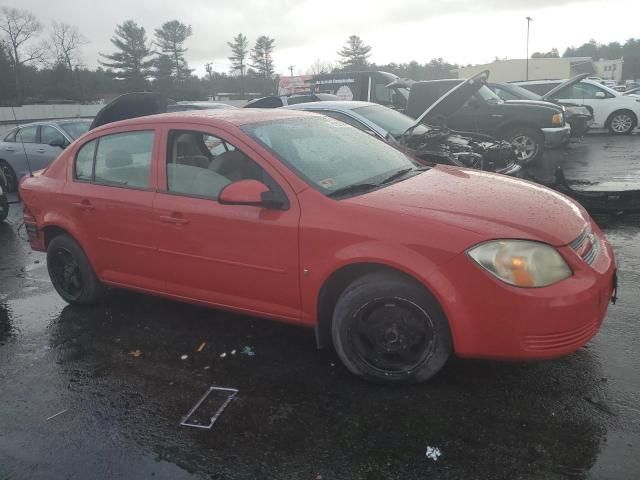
529,20
291,69
209,68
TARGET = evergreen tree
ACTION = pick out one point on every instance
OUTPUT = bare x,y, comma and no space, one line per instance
355,53
130,62
170,39
238,59
262,60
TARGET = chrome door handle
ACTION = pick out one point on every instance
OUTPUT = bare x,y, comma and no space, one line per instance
41,150
172,219
10,149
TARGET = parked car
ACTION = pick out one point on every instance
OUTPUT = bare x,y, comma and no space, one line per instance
633,92
579,118
528,127
33,146
434,144
280,101
187,105
612,110
296,217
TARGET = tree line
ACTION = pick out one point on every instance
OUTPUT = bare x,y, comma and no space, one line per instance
39,66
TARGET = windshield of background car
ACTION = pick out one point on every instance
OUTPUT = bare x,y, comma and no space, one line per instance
392,121
486,94
524,93
327,153
75,129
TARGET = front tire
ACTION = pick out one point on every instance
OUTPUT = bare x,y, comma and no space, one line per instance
622,122
71,273
387,328
527,144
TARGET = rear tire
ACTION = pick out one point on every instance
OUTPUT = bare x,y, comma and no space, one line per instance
622,122
71,273
527,143
387,328
10,177
4,207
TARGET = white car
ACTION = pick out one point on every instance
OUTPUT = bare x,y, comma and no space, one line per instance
613,110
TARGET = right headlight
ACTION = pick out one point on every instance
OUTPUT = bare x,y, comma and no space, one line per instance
522,263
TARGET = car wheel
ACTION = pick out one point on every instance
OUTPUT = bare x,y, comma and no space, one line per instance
527,144
71,273
10,176
622,122
4,207
387,328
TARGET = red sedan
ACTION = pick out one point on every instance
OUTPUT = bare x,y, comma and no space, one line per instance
300,218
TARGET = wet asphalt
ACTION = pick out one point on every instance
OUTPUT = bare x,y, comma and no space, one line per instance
116,374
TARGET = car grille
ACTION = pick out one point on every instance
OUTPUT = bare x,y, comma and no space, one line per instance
587,246
576,336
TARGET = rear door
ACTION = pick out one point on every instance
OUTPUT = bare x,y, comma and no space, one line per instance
110,197
239,256
596,99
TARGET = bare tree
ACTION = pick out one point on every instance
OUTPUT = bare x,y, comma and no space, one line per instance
18,29
320,66
67,42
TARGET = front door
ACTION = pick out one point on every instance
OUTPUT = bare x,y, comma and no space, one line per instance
239,256
45,152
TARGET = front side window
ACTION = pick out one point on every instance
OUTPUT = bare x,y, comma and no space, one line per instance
504,94
327,153
124,159
75,129
27,134
49,134
200,164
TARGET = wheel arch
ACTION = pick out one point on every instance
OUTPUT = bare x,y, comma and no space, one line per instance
339,280
621,110
54,225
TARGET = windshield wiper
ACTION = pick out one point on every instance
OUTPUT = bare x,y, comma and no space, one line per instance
355,188
400,174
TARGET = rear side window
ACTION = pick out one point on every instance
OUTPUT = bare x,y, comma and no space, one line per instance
84,162
11,137
124,159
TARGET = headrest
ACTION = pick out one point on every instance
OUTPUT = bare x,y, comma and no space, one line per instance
118,158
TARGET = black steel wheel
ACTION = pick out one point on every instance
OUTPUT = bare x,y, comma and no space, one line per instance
388,328
71,272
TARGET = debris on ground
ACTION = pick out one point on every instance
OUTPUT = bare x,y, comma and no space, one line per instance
433,453
192,419
135,353
207,367
248,351
54,416
184,357
233,352
201,347
223,354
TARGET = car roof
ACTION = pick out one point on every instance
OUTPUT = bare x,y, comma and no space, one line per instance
331,105
235,117
61,121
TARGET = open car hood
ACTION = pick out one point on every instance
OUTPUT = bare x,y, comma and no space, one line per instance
450,102
571,81
130,105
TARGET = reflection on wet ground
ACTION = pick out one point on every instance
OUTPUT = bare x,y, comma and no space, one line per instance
116,373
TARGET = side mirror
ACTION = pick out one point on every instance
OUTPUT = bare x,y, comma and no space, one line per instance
58,142
251,192
600,95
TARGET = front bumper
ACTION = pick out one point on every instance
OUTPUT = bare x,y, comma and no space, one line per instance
556,136
490,319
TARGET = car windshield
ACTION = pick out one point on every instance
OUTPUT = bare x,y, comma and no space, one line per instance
75,129
523,92
329,154
486,94
392,121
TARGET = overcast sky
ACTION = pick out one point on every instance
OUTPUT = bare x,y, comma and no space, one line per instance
460,31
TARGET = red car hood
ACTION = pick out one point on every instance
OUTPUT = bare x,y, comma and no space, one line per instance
491,205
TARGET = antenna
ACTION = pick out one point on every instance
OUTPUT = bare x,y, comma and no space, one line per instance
24,149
